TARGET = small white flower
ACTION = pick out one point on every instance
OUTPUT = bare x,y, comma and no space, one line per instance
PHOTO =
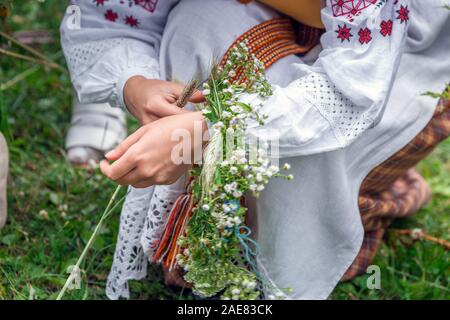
43,214
230,130
232,74
226,208
259,177
271,297
233,170
242,160
205,207
229,224
206,92
290,177
229,188
253,187
226,114
236,109
260,188
218,125
287,166
274,169
235,291
237,194
206,111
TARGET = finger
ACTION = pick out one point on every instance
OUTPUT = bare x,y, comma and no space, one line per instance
119,168
132,178
166,109
105,167
125,145
144,184
197,97
177,89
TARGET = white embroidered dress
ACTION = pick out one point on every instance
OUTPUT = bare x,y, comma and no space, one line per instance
332,110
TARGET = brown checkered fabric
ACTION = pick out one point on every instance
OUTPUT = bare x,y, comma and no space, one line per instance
395,190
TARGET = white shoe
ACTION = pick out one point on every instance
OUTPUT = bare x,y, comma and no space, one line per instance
3,180
95,129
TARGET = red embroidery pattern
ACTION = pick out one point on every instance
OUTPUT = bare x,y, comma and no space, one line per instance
100,2
386,28
365,35
131,21
110,15
403,14
149,5
350,8
344,33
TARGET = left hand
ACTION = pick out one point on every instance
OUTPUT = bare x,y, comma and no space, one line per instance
145,157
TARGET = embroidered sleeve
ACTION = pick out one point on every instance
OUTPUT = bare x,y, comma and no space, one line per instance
106,42
345,91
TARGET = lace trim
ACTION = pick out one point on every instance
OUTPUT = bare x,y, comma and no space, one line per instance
81,57
142,221
129,258
348,120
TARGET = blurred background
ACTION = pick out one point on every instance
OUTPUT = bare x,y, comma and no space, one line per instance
53,207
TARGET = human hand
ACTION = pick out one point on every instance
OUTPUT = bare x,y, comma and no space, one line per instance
148,99
153,156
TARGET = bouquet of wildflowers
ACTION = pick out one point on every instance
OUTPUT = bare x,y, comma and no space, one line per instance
212,242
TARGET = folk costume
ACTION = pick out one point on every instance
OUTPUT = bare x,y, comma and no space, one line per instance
349,114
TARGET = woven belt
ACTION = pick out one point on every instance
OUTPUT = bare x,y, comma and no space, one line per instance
275,39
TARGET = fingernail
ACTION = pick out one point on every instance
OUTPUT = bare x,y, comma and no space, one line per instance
109,154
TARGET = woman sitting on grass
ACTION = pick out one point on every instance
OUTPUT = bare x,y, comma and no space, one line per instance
339,111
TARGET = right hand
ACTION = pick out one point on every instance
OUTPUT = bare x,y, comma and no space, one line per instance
149,100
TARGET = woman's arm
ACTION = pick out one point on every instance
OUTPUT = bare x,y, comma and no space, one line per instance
345,92
304,11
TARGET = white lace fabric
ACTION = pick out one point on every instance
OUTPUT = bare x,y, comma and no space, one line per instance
347,120
142,222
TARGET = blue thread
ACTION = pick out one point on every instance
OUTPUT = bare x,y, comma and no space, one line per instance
249,253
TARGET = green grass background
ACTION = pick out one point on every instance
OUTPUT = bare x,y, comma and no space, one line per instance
54,208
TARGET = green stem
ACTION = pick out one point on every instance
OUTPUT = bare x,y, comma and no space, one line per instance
105,215
29,59
33,51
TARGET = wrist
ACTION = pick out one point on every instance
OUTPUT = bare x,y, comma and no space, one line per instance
124,79
130,94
